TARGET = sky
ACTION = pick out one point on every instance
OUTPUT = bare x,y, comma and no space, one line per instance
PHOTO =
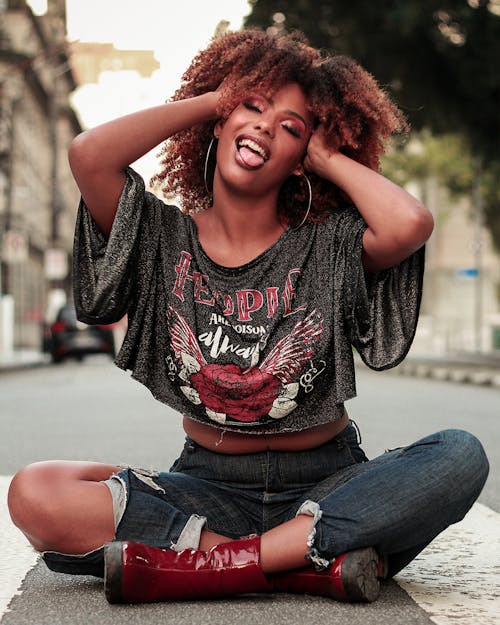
174,29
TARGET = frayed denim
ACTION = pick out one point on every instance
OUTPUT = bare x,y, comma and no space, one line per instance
397,502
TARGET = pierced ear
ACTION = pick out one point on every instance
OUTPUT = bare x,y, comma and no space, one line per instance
299,170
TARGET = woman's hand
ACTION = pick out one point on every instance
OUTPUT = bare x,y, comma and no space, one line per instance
99,157
318,153
398,224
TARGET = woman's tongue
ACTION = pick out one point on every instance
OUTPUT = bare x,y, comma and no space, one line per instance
250,158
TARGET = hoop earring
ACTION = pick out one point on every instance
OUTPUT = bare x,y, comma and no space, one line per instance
205,171
308,203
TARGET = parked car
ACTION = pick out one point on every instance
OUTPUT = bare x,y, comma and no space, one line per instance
67,337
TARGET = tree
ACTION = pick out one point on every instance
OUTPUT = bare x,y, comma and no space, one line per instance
437,58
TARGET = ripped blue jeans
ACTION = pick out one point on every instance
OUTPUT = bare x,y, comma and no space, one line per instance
397,502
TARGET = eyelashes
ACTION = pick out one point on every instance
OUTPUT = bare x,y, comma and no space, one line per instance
293,131
252,106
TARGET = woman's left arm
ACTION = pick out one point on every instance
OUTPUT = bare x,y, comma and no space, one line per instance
398,224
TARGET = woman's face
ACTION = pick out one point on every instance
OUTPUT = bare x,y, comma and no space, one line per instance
264,140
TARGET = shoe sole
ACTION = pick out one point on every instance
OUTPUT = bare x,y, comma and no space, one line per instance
359,575
113,572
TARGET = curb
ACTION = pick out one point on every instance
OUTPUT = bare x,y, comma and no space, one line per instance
19,365
460,373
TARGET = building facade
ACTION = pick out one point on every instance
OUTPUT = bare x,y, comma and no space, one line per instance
38,197
461,299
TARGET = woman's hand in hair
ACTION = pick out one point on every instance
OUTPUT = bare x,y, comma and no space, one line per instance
100,156
318,153
398,223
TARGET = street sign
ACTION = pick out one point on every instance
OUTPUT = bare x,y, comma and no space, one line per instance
56,264
470,272
14,247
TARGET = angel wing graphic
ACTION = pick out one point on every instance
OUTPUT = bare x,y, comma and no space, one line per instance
287,358
183,341
244,395
187,352
290,354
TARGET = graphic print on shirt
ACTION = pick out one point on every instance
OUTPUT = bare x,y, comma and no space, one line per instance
230,393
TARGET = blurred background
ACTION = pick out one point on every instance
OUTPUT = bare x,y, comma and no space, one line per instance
67,65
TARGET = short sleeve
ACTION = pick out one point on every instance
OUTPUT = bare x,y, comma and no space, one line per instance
109,272
382,308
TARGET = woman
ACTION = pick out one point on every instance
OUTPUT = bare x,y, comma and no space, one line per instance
242,312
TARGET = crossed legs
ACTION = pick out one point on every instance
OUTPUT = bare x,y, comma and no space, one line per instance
52,501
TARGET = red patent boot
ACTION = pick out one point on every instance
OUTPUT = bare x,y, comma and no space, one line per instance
137,573
353,577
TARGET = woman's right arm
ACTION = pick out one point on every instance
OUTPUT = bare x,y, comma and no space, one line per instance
100,156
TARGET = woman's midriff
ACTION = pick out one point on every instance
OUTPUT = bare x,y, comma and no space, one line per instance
225,442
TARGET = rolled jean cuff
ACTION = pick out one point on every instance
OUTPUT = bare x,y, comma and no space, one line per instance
118,491
191,534
311,508
91,563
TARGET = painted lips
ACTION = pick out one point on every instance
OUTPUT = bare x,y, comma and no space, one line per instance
252,153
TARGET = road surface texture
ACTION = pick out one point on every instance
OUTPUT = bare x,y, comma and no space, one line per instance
93,411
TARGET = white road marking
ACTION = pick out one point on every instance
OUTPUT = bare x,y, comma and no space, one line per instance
456,580
17,555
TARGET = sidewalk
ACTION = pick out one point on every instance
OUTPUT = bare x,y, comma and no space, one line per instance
22,359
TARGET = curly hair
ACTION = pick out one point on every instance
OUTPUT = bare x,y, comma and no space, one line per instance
357,115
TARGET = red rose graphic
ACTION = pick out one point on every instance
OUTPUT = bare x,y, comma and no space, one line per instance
242,396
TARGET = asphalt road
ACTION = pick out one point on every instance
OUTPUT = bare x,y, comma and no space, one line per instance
95,412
